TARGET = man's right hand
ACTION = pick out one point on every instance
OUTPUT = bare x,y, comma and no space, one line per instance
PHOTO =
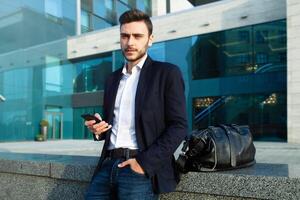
99,128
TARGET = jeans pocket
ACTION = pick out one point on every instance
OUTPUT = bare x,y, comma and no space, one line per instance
136,173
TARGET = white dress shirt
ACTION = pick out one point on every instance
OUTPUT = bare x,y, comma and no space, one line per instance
123,128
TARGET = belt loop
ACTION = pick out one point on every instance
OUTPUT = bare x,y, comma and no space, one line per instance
127,153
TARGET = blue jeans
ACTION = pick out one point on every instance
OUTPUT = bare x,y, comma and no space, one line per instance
112,182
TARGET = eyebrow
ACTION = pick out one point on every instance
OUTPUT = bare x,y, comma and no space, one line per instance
134,34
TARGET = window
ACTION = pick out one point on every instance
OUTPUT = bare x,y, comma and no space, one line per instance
53,75
235,52
92,73
264,113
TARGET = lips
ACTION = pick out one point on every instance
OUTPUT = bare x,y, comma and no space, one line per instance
130,50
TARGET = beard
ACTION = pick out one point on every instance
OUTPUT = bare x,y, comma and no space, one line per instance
139,56
138,53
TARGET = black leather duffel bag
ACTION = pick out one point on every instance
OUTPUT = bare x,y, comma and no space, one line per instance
221,147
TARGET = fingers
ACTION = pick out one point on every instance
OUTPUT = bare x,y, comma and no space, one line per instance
99,128
125,163
134,165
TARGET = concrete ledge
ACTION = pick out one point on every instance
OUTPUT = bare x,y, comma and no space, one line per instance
76,168
38,176
261,181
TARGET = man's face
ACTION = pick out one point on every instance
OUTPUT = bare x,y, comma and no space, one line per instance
134,39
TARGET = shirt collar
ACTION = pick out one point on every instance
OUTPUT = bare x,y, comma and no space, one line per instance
139,65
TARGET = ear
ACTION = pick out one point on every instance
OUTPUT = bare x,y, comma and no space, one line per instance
150,40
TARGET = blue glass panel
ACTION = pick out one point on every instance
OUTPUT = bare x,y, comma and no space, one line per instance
121,8
91,73
252,49
265,113
28,23
80,131
247,64
270,47
100,14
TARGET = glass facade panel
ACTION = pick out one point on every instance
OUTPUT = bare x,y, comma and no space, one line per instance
34,93
53,20
86,24
103,8
80,131
91,74
265,113
121,8
253,49
269,47
100,23
99,14
233,76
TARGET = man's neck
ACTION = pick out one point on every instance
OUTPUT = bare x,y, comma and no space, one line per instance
130,65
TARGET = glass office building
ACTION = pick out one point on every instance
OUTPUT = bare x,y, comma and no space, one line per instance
36,78
232,76
99,14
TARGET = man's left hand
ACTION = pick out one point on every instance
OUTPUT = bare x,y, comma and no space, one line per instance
134,165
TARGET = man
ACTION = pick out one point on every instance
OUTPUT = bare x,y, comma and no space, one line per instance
143,122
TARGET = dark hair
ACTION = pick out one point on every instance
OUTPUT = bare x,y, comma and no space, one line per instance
135,15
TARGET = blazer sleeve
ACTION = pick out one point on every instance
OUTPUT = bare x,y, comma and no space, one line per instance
176,129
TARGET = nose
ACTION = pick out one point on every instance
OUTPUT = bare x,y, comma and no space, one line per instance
130,40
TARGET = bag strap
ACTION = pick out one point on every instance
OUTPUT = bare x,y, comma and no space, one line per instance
185,144
230,139
182,158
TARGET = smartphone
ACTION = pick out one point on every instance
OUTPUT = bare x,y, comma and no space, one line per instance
89,117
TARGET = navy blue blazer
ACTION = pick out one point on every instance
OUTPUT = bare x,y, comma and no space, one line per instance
160,120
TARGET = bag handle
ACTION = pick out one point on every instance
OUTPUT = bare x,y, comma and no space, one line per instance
185,145
204,169
229,136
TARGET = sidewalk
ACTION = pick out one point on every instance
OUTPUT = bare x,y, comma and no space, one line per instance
266,152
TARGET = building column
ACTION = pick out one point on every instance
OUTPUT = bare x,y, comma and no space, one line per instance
293,70
78,17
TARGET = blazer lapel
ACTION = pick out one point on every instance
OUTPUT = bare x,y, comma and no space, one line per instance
112,94
113,89
141,90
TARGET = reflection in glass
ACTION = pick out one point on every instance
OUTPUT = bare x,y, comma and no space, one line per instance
53,75
91,74
229,74
264,113
28,23
234,76
102,14
240,51
80,131
53,8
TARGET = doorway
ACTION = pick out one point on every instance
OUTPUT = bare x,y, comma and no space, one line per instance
55,129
